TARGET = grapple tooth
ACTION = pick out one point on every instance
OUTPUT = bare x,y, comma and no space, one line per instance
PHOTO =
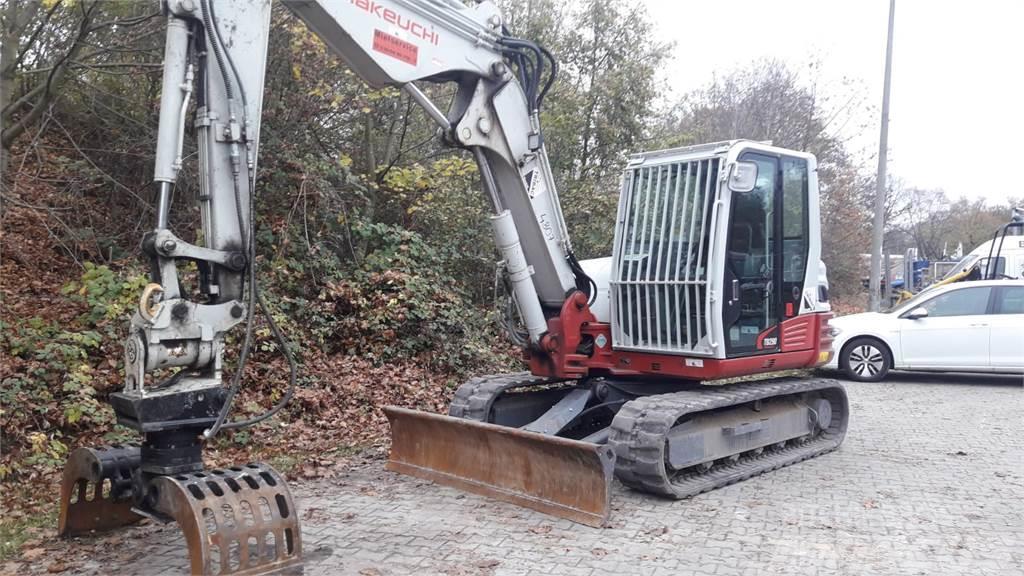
240,520
558,476
96,492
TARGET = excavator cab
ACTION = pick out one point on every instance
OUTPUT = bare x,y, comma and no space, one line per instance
715,253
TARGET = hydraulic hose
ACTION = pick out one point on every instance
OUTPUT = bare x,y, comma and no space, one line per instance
255,297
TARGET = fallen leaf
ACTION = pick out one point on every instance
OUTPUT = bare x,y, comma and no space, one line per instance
488,563
33,553
599,552
541,529
56,567
869,504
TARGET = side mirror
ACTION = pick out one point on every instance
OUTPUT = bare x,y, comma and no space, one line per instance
917,313
744,177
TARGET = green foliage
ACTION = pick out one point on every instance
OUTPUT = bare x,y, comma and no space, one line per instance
398,303
16,531
59,377
61,370
107,295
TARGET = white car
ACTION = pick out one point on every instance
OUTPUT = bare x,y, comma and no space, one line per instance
961,327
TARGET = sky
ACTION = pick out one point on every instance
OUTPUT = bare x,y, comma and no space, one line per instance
957,101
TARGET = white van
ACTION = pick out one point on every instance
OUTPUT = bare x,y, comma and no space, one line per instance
1009,264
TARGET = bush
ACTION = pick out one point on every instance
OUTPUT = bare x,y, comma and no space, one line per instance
398,303
52,389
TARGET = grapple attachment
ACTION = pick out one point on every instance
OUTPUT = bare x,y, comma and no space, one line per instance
236,521
241,520
558,476
96,490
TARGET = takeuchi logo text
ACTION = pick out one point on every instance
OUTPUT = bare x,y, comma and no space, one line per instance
391,17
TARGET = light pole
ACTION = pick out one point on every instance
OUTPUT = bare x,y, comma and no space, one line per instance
878,225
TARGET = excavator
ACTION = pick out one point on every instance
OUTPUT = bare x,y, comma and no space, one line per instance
715,275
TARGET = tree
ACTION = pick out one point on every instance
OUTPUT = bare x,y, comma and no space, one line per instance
938,225
770,101
599,109
47,43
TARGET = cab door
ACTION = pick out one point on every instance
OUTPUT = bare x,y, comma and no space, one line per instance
750,312
1006,330
766,255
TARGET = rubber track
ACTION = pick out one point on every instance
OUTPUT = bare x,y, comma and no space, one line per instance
473,400
640,429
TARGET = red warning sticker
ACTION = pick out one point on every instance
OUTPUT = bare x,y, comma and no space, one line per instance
395,47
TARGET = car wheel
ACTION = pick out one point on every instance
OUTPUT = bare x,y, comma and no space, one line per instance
865,360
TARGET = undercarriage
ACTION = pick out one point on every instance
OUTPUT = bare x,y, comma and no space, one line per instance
672,439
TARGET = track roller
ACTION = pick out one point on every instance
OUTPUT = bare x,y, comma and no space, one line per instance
681,444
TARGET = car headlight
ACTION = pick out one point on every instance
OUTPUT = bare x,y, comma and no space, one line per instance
834,331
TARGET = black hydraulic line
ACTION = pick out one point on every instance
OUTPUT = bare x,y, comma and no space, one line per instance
551,76
538,66
214,45
227,54
524,68
279,336
248,240
584,283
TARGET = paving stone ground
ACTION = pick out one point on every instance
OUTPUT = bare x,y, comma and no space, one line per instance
930,480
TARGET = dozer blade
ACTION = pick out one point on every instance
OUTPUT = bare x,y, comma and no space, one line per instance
96,490
565,478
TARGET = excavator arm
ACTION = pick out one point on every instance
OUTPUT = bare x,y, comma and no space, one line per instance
215,54
214,64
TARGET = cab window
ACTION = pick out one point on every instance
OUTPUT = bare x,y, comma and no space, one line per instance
985,265
963,302
794,233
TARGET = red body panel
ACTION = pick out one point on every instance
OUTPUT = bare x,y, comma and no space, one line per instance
800,333
804,340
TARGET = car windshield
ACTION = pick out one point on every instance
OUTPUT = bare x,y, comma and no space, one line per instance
964,263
